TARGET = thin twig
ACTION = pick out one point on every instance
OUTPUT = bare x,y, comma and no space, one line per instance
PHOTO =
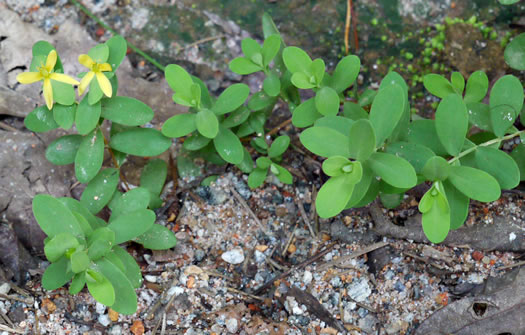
217,274
305,217
115,163
279,127
341,311
163,328
423,259
6,318
10,330
289,241
7,127
355,254
276,265
294,268
27,301
347,23
231,289
201,41
511,266
245,205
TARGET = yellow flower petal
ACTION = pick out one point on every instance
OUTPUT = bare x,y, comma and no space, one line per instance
48,93
84,82
51,60
104,67
86,61
63,78
104,84
29,77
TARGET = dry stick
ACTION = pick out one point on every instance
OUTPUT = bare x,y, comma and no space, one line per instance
297,267
305,217
11,330
355,254
341,311
12,297
423,259
204,40
115,161
6,318
347,23
511,266
7,127
163,328
245,205
289,241
279,127
234,290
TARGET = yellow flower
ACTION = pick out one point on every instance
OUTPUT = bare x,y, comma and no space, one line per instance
45,73
96,69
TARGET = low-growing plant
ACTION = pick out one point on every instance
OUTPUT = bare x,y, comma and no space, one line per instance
80,245
374,147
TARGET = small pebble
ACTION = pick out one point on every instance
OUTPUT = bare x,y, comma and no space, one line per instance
399,286
235,256
477,256
232,325
485,260
5,288
307,277
104,320
259,256
150,278
100,308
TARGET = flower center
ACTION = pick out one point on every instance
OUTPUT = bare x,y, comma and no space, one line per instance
44,72
95,68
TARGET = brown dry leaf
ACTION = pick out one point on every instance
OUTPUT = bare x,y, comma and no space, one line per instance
48,306
137,328
113,316
261,248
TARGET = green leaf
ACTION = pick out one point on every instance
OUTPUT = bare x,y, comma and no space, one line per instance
367,97
99,53
54,217
250,47
477,87
154,176
40,120
518,154
157,238
436,169
75,206
100,287
43,48
305,114
416,154
137,198
126,111
325,142
179,80
345,73
125,297
132,224
353,111
499,165
296,60
474,183
257,177
89,157
186,167
282,174
327,101
394,170
270,48
452,123
231,99
362,140
339,123
235,118
436,220
438,85
317,68
131,268
391,201
458,203
386,111
95,92
228,146
196,142
333,166
58,245
424,132
243,66
179,125
272,84
207,123
63,93
63,150
100,190
303,81
79,261
367,184
334,195
263,162
246,165
57,274
145,142
78,283
100,243
515,50
87,116
260,101
117,51
279,146
508,2
479,115
458,82
269,27
64,115
506,102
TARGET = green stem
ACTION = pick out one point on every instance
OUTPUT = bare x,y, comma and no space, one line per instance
105,26
485,144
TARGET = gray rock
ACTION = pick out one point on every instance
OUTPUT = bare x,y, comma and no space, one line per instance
232,325
359,290
307,277
104,320
234,256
